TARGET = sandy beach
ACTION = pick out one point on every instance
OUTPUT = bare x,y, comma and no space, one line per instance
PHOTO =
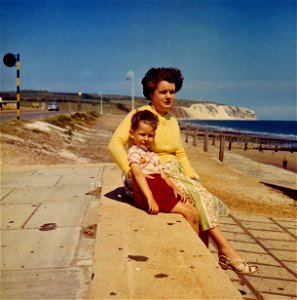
270,157
236,187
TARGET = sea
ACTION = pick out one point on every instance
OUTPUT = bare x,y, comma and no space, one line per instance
285,130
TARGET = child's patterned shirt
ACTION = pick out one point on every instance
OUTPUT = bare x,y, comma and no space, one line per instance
148,161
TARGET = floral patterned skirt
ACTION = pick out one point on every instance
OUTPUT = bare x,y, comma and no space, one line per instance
210,207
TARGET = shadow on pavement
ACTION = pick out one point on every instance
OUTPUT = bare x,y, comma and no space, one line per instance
119,194
286,191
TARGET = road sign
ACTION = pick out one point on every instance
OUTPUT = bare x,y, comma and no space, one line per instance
9,60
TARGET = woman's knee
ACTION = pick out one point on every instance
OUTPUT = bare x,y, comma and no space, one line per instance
195,212
192,214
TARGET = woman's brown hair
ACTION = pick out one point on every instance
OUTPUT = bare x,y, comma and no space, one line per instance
155,75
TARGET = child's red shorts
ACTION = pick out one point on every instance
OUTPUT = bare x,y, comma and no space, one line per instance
162,192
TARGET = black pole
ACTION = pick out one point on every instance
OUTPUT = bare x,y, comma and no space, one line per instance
18,83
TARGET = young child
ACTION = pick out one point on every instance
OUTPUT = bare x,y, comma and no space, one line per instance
153,191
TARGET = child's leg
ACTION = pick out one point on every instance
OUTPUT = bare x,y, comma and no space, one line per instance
190,213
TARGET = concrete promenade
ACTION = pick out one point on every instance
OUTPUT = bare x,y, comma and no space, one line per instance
67,232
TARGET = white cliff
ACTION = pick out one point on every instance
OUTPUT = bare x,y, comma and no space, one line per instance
216,111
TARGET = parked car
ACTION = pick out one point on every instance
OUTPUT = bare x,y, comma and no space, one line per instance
53,106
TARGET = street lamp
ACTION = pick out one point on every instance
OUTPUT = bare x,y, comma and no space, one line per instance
130,75
101,109
79,101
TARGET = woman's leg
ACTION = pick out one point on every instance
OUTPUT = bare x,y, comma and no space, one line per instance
223,245
190,213
204,236
228,257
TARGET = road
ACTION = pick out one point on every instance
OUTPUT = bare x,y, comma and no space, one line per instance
6,116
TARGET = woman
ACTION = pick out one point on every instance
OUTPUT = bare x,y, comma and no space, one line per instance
160,86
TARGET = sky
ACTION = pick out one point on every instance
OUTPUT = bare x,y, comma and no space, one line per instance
232,52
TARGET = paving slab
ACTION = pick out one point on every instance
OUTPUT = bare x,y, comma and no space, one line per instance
31,195
17,181
280,245
4,192
270,296
32,249
234,228
15,216
288,224
272,235
285,255
291,266
75,180
58,213
268,226
249,247
241,217
241,237
275,286
84,170
44,213
43,284
292,231
277,272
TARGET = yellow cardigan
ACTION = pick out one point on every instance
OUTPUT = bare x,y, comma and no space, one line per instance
167,144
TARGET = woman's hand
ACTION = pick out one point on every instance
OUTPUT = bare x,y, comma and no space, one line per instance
195,178
179,195
153,207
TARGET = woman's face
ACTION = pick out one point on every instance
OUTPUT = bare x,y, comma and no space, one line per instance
163,97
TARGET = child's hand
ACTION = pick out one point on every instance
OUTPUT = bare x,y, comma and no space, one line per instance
153,207
149,176
179,195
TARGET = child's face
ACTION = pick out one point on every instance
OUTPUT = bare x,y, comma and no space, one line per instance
143,135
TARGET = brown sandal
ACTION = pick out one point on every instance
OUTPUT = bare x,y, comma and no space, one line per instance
244,268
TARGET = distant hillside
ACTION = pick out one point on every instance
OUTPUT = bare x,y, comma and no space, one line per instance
122,104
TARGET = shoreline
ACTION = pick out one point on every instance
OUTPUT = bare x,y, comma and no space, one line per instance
279,156
279,150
